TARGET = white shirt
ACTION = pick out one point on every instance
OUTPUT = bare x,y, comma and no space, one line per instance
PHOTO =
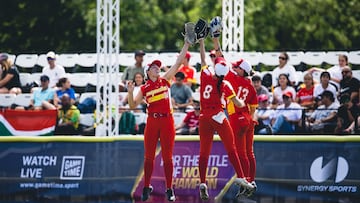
268,112
323,111
335,72
292,112
289,70
54,74
278,93
318,90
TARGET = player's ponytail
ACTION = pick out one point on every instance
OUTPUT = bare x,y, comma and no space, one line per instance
219,82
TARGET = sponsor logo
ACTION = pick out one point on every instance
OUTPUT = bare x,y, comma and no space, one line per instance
72,167
328,173
336,166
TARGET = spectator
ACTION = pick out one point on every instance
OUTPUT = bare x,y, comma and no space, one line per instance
347,113
65,88
263,114
284,68
181,94
286,117
190,124
138,81
68,117
188,70
323,119
349,85
260,89
10,80
44,97
335,71
284,85
305,96
130,71
53,71
324,85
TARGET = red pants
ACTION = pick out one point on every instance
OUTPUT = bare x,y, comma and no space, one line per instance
207,128
243,128
163,128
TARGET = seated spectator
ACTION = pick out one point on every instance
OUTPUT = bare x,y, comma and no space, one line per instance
305,96
190,124
324,85
10,79
263,114
43,97
68,117
129,72
260,89
181,94
53,71
138,80
188,70
323,119
65,88
347,114
284,68
349,85
335,71
286,117
284,85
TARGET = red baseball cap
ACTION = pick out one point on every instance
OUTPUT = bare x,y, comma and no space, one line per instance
288,94
188,55
262,97
155,62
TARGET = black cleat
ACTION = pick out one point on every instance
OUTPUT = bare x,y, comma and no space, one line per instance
204,195
170,195
146,193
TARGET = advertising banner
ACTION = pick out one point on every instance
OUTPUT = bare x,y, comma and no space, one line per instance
80,169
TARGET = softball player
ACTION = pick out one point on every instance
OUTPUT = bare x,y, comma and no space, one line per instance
160,121
241,119
212,119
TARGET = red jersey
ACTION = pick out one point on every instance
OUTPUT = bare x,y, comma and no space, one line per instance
191,119
306,96
189,73
244,90
210,99
157,95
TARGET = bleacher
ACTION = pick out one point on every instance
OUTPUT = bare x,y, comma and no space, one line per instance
81,67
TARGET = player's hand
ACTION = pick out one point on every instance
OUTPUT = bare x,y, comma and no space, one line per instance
216,27
130,87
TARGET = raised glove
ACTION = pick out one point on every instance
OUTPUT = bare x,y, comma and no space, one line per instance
189,33
215,27
201,29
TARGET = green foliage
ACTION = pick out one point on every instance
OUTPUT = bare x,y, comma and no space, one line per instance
155,25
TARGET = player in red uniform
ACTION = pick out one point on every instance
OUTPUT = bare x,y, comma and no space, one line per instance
241,119
213,119
160,121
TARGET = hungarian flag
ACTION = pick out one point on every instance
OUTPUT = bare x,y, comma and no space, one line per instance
27,123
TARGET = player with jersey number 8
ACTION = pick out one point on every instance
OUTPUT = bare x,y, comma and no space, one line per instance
212,119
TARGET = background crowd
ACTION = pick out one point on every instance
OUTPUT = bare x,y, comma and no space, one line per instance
320,100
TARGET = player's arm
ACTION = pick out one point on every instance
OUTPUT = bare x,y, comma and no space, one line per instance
174,68
202,52
217,47
238,102
134,102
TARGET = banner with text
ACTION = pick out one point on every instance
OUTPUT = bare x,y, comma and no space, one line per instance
113,169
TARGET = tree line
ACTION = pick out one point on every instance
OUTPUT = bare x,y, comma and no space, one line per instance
155,25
